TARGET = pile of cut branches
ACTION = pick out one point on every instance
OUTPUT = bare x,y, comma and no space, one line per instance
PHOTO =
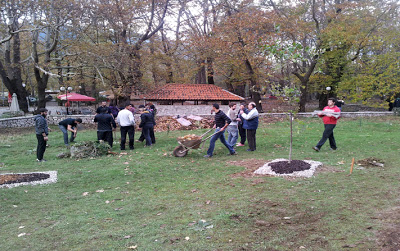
86,149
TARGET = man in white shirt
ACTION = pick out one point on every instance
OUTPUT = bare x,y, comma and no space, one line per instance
127,123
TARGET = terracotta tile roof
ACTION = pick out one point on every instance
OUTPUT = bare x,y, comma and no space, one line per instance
192,92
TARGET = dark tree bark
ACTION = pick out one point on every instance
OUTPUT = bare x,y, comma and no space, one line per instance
200,77
10,70
210,71
134,76
253,85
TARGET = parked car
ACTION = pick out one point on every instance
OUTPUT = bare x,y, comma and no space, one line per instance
48,98
32,100
86,111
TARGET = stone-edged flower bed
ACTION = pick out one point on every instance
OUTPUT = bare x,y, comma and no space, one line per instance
298,168
9,180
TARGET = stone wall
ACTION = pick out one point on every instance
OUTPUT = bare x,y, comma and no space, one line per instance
88,119
28,121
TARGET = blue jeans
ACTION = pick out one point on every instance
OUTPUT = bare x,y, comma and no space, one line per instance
146,132
233,134
65,132
218,135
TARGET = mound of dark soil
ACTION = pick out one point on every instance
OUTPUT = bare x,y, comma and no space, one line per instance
19,178
284,167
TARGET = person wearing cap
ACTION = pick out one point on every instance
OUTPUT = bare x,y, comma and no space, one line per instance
42,132
126,121
69,124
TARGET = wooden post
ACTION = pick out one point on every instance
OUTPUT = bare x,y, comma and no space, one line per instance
352,164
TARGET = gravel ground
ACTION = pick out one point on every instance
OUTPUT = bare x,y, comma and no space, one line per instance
51,179
266,169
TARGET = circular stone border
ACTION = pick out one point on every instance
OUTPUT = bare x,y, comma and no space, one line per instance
51,179
266,169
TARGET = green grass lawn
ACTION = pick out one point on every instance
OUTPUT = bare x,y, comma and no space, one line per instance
154,201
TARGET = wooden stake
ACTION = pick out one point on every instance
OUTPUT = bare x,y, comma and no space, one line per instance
352,164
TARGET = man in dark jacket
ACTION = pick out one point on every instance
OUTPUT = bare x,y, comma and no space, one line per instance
105,125
103,105
42,132
147,124
71,125
221,123
152,136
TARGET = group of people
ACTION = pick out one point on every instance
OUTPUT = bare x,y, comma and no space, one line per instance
106,117
42,131
243,122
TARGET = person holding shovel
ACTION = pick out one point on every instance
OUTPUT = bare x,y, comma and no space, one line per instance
221,123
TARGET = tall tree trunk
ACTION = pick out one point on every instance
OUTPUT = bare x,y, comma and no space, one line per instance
170,73
229,86
10,72
304,80
93,87
303,96
241,89
210,71
200,77
253,85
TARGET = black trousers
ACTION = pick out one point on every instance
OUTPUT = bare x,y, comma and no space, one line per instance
251,138
152,136
242,133
130,130
328,134
41,147
105,136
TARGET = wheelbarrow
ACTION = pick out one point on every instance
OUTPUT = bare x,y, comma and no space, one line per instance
186,144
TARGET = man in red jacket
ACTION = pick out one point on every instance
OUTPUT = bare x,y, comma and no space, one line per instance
330,114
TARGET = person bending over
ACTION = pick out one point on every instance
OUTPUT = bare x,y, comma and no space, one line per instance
71,125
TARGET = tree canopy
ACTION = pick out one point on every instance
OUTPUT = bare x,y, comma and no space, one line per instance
131,47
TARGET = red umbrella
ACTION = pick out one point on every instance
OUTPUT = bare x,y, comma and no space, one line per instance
72,96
